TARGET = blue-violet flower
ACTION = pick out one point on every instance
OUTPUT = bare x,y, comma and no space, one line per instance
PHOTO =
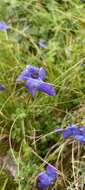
3,26
33,77
47,177
42,43
74,131
2,87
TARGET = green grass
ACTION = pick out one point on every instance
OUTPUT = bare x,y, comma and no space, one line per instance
26,123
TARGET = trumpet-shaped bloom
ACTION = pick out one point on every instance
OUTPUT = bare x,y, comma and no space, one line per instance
2,87
33,77
32,84
3,26
74,131
47,177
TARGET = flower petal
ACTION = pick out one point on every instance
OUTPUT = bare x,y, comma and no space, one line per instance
71,130
31,71
82,130
29,84
2,87
42,43
27,72
43,181
3,26
80,138
51,171
42,73
46,88
40,86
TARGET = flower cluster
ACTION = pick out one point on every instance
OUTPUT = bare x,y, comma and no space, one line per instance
47,177
33,77
73,131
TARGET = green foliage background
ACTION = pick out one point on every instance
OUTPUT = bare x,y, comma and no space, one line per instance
26,123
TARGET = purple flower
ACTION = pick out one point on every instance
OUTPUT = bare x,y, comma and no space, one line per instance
42,73
38,84
74,131
31,72
80,138
43,180
42,43
51,171
3,26
2,87
33,77
82,130
71,130
47,177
